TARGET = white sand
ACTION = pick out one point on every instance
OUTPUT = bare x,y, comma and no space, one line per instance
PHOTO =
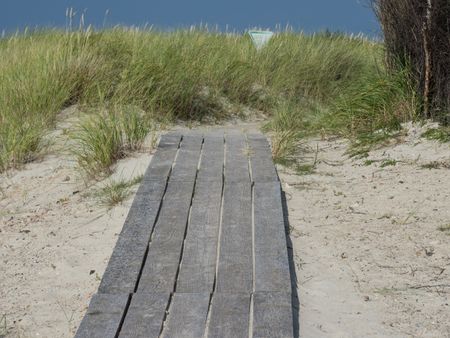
370,259
54,246
365,239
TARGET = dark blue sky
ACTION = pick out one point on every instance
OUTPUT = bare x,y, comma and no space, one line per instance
308,15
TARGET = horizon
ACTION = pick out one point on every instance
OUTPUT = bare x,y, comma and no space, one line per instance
349,16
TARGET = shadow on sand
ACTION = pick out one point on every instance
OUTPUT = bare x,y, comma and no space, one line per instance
295,300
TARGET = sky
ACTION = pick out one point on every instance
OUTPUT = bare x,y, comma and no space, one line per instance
351,16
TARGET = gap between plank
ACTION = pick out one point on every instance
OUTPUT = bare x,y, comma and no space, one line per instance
122,320
166,314
250,318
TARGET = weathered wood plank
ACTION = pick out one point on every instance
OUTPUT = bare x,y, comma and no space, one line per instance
262,167
161,163
235,269
229,316
236,162
211,166
272,315
145,315
187,315
163,257
271,256
126,260
198,267
123,268
186,163
164,252
103,317
169,139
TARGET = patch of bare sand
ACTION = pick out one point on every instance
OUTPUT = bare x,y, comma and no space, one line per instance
55,242
370,259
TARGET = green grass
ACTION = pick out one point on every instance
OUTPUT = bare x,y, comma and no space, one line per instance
441,134
368,162
305,84
288,128
115,192
104,137
388,163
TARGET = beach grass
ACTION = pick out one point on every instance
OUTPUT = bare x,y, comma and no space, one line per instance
125,78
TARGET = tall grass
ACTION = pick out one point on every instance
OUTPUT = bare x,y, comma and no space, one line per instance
187,75
105,137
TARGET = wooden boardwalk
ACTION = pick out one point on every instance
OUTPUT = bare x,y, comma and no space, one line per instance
203,250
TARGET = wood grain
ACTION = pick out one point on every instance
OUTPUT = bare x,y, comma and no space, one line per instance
198,267
262,167
187,315
230,314
145,315
103,317
271,256
236,158
235,269
272,315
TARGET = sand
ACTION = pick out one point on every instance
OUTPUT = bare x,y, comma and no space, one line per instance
54,245
370,260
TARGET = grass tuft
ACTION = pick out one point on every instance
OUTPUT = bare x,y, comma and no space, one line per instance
441,134
115,192
103,138
287,126
99,144
388,163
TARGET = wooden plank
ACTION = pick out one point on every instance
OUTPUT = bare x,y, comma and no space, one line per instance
103,317
161,265
198,267
262,167
123,268
186,163
161,163
126,260
163,257
169,139
211,166
271,256
236,162
235,269
272,315
229,316
187,315
145,315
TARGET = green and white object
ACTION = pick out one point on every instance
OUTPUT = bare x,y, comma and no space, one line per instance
260,38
